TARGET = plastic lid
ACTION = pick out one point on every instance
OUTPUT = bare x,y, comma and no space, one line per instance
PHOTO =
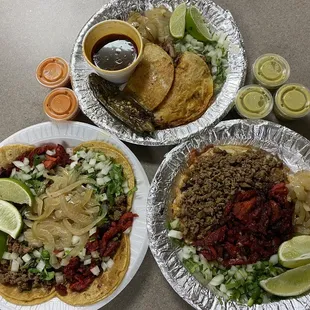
271,70
61,104
254,102
293,100
53,72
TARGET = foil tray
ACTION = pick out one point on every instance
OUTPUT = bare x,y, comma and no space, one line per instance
291,147
219,19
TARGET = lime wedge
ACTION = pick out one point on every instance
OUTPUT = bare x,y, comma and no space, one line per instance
177,21
290,283
196,26
15,191
295,252
10,220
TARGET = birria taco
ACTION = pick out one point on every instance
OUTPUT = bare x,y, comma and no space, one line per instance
74,243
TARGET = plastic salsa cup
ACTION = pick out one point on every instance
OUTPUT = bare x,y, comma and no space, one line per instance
253,102
271,70
61,104
53,72
292,101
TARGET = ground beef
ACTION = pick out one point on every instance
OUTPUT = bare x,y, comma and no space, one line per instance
23,279
17,247
212,181
119,208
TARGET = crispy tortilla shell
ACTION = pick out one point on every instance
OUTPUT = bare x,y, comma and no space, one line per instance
9,153
152,80
108,281
190,94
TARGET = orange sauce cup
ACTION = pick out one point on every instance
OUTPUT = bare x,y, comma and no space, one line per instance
61,104
53,72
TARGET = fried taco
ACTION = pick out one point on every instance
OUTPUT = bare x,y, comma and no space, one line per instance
75,240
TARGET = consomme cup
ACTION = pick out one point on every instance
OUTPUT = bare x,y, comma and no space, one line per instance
110,27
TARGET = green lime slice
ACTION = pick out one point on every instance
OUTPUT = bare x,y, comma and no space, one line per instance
290,283
10,220
15,191
295,252
196,26
177,21
3,247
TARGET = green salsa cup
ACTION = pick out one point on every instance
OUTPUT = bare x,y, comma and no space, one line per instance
271,70
253,102
292,101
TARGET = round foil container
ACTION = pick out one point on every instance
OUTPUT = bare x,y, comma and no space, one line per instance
291,147
219,19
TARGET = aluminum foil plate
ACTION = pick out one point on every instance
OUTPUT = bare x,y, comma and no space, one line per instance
291,147
219,19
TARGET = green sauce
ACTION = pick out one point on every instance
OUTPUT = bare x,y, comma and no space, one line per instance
254,102
292,101
271,70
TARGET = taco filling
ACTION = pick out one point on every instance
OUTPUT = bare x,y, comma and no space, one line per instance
230,215
75,235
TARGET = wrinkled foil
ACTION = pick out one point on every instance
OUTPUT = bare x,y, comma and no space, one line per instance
291,147
219,18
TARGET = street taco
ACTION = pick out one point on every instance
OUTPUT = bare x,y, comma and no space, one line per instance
75,240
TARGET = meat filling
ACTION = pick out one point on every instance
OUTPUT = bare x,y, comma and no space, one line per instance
213,181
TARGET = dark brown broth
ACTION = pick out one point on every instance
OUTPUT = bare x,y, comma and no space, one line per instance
114,52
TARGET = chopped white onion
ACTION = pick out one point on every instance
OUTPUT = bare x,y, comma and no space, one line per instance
91,170
65,261
73,164
59,277
36,254
33,191
95,271
274,259
41,265
93,231
127,231
100,166
26,169
51,152
92,162
82,254
110,263
95,254
14,255
86,166
81,154
103,197
14,266
74,158
40,167
18,163
102,181
102,157
175,234
20,261
174,224
104,266
69,150
87,261
21,238
26,258
25,177
217,280
60,254
75,240
106,169
13,172
6,255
